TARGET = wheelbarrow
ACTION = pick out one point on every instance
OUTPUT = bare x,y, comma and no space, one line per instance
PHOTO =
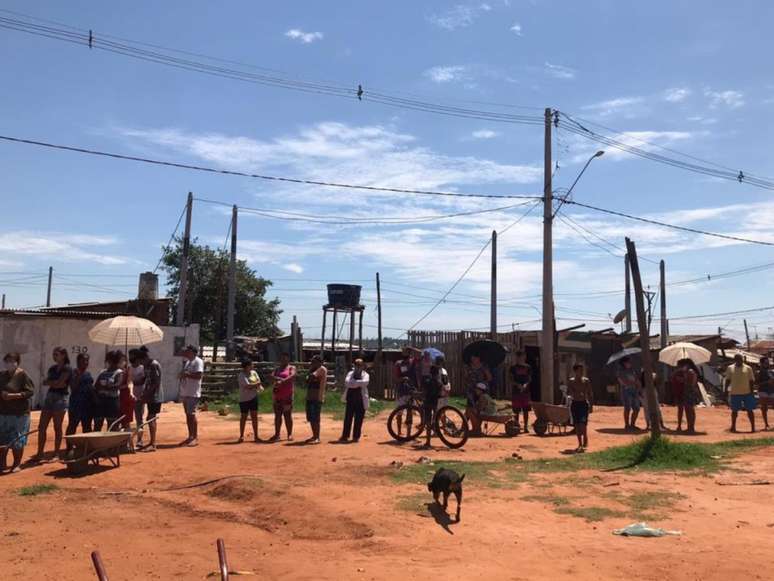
549,417
91,447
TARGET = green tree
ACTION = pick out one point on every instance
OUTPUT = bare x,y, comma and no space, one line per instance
208,292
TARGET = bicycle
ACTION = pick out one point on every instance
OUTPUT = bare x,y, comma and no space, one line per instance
408,422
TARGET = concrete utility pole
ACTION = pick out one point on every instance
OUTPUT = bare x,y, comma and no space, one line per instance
50,280
380,346
493,306
628,295
231,304
547,334
183,290
642,326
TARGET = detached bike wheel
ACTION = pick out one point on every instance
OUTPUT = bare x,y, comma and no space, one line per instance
406,423
451,426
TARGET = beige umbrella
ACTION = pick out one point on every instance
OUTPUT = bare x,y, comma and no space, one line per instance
674,353
126,330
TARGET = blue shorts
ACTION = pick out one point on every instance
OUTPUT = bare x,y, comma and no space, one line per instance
13,430
746,401
189,405
56,401
631,399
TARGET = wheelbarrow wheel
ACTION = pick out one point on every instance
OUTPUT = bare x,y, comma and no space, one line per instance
406,423
451,426
540,427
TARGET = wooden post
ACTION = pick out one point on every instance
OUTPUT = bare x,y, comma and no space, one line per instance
493,283
628,295
183,289
231,304
642,325
351,333
322,334
380,346
333,337
360,332
747,334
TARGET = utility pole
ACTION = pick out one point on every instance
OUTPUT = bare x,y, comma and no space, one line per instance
231,304
664,322
747,334
380,345
642,325
547,334
3,307
182,291
50,280
628,295
493,306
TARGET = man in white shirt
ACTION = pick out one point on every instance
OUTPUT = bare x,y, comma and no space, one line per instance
191,391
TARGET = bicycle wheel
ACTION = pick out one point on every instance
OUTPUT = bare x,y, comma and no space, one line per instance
406,423
451,426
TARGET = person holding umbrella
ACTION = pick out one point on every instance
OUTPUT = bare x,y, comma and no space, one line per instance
685,388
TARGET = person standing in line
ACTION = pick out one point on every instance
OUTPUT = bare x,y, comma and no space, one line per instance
356,398
191,392
579,389
249,388
765,390
135,406
521,375
151,396
431,393
740,380
56,402
80,410
404,375
16,391
282,397
685,391
443,375
476,373
630,393
315,396
107,407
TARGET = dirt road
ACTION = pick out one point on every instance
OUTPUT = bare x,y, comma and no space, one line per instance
339,512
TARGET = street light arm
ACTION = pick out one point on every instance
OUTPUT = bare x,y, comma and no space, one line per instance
564,198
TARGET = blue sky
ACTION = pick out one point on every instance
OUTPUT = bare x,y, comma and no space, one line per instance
692,76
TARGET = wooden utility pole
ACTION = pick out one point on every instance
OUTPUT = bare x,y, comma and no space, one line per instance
231,304
628,295
662,289
642,326
747,334
380,345
351,334
50,280
183,289
547,334
3,307
493,304
322,335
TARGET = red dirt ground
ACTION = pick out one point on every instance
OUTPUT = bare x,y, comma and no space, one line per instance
334,512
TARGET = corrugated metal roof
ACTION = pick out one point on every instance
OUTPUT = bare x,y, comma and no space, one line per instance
63,313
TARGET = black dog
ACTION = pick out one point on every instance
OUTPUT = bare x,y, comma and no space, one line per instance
447,482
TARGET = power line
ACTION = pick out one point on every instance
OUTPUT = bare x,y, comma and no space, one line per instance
672,226
171,238
181,165
344,220
469,268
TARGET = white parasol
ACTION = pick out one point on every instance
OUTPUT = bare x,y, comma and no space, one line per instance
674,353
126,330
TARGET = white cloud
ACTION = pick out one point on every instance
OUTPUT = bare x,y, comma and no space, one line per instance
58,246
645,140
304,37
703,120
447,74
484,134
559,71
516,29
459,16
293,267
614,106
676,94
730,99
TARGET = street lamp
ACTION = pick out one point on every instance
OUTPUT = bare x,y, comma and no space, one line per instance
564,198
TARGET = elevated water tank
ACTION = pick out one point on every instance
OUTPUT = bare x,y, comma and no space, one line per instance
344,295
149,287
